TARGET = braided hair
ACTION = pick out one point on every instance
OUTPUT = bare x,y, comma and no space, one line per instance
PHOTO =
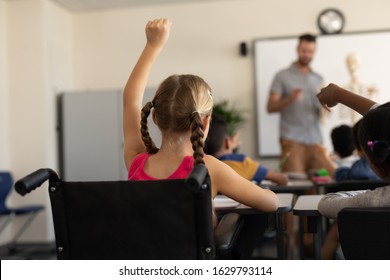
149,144
179,105
197,137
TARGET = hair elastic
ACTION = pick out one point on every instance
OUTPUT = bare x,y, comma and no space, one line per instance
371,144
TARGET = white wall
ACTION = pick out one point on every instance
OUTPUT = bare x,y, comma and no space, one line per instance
45,49
58,71
26,96
39,64
4,156
4,120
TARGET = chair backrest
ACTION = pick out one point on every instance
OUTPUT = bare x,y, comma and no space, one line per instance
353,185
164,219
6,182
365,233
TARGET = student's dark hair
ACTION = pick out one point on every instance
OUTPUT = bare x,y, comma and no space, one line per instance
342,140
180,103
374,127
307,37
355,132
217,135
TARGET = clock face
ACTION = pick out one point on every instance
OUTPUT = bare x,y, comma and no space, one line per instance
331,21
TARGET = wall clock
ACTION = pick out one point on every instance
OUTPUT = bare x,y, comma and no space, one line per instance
331,21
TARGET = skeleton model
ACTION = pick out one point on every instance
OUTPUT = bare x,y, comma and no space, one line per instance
353,65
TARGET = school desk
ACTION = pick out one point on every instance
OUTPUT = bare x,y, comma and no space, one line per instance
297,186
307,207
223,204
350,185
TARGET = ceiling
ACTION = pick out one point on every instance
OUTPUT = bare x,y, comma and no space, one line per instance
89,5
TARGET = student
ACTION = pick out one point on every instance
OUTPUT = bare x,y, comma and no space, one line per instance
343,146
360,169
181,108
221,145
374,139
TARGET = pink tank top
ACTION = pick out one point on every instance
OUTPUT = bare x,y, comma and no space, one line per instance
137,171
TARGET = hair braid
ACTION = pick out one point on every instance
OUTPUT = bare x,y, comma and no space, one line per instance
197,137
149,144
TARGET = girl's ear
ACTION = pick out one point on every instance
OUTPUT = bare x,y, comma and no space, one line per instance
227,143
206,124
153,116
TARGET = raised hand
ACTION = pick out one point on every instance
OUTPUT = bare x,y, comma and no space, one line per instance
331,95
327,96
157,32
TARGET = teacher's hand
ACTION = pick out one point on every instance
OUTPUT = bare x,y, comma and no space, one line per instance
295,94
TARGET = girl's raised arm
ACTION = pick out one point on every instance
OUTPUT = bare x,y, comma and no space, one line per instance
157,33
228,182
332,95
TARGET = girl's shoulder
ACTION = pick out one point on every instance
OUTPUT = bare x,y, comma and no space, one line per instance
218,168
137,163
211,162
142,157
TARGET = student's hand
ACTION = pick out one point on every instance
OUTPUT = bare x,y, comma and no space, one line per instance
235,141
327,96
157,32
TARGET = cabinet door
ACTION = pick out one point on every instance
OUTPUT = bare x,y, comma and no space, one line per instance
91,137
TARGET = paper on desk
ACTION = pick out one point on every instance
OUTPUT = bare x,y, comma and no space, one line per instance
221,201
270,183
296,175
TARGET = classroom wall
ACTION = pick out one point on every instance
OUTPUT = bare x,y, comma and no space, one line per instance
38,63
4,155
45,49
204,40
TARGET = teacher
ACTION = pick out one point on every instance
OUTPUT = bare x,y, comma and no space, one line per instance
293,94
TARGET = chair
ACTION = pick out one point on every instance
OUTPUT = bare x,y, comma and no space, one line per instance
6,182
353,185
365,233
163,219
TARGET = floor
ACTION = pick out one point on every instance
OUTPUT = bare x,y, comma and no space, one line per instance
28,251
33,251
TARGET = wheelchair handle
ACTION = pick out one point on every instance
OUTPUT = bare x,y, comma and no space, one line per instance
34,180
197,177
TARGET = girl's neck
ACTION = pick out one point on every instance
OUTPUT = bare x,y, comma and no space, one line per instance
176,145
169,157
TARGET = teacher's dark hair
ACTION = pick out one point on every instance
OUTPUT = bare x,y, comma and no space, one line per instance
307,37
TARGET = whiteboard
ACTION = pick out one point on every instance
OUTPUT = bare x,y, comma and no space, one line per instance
274,54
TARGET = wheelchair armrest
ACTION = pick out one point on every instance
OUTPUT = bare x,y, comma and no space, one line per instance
34,180
227,232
